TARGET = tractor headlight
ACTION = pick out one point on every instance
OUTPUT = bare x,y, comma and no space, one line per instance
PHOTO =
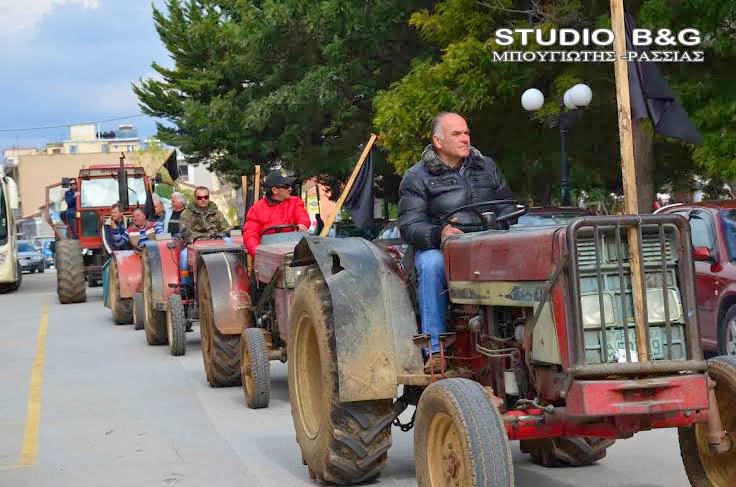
591,310
655,305
291,274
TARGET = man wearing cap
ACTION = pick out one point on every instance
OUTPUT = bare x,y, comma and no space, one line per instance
278,207
202,219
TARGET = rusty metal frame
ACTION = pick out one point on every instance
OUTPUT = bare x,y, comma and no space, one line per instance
686,274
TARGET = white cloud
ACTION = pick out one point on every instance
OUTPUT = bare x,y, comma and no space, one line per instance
20,18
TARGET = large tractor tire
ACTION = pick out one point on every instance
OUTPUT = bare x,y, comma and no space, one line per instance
341,443
139,312
154,321
70,280
566,452
122,308
460,438
176,326
704,468
255,368
220,352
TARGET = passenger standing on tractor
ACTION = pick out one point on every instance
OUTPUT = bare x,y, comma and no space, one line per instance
451,173
142,230
70,197
116,229
278,207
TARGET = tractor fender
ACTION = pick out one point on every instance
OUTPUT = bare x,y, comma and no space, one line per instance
164,265
230,291
130,272
374,320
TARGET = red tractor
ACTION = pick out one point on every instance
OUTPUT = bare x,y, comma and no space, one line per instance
542,347
171,301
82,259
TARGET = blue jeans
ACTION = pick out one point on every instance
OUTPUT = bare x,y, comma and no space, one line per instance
433,299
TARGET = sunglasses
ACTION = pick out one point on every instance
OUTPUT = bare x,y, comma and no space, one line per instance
284,186
202,198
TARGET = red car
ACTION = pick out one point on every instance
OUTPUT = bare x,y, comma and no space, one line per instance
713,233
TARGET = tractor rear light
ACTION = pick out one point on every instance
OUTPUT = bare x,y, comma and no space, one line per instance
184,273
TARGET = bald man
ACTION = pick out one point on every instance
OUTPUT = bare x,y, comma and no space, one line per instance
451,173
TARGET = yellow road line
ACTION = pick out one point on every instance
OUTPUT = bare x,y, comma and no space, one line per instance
29,451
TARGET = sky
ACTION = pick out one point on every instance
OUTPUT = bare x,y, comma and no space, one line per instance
72,61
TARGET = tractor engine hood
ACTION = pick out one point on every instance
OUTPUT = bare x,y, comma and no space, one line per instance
506,256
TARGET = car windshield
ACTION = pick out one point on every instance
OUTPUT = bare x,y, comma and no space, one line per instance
545,219
728,217
102,192
25,247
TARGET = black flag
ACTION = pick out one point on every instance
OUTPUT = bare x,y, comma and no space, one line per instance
652,98
172,166
360,197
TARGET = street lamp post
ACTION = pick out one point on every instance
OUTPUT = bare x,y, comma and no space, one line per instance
579,96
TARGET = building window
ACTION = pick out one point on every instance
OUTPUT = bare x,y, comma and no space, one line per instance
104,148
129,148
72,149
56,151
184,172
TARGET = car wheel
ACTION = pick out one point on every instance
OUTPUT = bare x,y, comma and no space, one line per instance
727,333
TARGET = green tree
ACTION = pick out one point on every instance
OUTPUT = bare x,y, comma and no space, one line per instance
463,76
289,81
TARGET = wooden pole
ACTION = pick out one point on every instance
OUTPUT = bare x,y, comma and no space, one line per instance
257,185
244,188
356,171
628,170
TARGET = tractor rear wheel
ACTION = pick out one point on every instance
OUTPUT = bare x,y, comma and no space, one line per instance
220,352
122,308
70,281
255,369
154,321
576,451
176,326
704,468
341,443
460,438
138,311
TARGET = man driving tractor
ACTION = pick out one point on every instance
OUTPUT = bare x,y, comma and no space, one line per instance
276,208
450,174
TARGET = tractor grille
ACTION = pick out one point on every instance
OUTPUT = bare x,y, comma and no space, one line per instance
604,322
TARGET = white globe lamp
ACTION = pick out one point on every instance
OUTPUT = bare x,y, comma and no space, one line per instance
580,95
567,100
532,100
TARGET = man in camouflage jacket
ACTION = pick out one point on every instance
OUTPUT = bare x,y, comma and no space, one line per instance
202,218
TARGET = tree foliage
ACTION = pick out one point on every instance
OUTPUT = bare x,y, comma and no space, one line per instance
462,76
289,81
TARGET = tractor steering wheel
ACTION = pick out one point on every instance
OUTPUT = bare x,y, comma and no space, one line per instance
521,209
276,228
207,237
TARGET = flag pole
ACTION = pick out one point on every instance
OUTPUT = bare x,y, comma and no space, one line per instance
628,170
348,186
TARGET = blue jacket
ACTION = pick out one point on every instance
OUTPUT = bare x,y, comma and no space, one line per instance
116,235
71,202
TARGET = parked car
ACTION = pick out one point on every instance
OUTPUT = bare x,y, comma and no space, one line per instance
30,258
713,235
48,252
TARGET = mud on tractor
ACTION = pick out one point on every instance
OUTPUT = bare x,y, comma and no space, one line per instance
541,347
81,260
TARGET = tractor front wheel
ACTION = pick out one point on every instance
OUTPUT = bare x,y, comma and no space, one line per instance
341,443
122,308
220,352
255,369
703,467
70,281
176,326
566,452
460,438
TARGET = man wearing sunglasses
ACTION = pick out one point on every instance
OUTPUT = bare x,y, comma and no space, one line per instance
277,207
202,219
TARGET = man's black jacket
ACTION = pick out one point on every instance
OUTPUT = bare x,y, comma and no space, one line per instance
430,189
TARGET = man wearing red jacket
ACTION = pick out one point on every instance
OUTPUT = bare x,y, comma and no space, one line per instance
278,207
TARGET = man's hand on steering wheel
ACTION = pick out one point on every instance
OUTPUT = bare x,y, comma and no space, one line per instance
450,229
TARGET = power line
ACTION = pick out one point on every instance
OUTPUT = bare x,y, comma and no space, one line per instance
25,129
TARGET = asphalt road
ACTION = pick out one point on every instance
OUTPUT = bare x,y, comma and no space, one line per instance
90,403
